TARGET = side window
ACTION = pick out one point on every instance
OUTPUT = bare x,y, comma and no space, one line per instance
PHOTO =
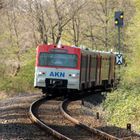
43,59
83,61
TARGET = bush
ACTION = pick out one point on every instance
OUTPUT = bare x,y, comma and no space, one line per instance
123,107
23,82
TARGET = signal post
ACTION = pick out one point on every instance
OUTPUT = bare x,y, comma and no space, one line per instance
119,17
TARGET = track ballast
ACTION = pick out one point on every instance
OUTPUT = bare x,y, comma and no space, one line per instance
51,114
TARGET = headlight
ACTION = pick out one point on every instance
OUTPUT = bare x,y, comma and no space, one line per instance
74,75
41,73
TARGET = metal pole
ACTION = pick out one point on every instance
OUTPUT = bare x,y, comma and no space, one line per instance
119,48
119,40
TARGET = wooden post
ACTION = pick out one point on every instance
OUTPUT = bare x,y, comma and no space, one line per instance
82,101
97,115
129,126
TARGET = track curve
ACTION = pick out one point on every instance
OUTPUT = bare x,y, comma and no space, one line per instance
104,135
34,118
72,132
61,124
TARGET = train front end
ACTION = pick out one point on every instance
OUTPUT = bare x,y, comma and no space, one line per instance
57,68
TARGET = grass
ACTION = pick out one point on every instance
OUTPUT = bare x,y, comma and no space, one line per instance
123,105
21,83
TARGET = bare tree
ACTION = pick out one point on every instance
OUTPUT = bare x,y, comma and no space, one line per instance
13,29
76,30
1,4
32,18
52,21
100,27
66,15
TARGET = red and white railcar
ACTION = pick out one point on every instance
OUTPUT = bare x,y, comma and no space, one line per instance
73,68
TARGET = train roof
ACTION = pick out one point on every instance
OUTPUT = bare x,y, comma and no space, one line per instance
55,46
85,49
82,48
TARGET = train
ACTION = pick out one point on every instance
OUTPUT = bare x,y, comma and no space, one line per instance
71,69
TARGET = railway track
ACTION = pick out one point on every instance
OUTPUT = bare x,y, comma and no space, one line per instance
52,115
87,118
62,128
100,133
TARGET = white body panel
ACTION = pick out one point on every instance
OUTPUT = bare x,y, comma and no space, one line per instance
72,75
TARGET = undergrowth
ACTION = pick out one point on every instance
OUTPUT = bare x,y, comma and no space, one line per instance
123,105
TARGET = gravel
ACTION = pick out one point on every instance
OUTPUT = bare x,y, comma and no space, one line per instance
86,113
49,112
14,119
16,125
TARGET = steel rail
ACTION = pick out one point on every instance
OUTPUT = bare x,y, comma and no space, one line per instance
35,119
75,121
136,133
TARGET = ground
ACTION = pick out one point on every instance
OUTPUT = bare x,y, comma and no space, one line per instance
14,119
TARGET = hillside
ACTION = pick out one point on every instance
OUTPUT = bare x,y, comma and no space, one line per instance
123,105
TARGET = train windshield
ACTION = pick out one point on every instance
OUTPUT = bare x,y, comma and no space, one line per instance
56,59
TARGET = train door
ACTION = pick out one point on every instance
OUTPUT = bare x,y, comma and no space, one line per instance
89,71
98,70
86,71
111,69
82,69
83,72
105,66
93,69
